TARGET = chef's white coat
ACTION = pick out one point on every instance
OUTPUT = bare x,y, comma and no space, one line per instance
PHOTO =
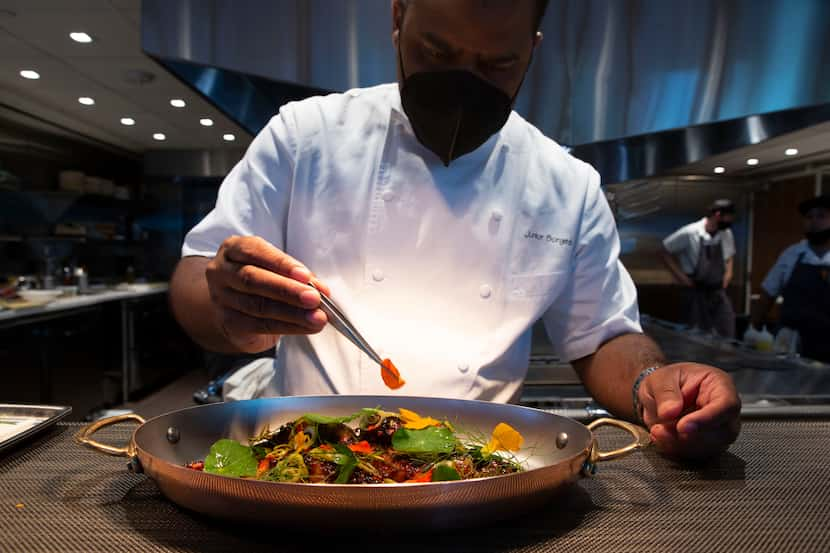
443,269
685,244
777,277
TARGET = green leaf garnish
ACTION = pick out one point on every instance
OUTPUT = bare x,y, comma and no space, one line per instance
443,472
230,458
325,419
347,461
433,439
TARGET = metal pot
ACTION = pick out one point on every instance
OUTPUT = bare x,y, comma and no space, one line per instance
557,450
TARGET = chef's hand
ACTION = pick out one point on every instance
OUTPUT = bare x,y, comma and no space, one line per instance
692,410
260,292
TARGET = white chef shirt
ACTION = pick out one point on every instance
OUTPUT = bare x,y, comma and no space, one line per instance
442,269
684,243
780,274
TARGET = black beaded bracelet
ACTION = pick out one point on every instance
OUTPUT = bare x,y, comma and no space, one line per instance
638,407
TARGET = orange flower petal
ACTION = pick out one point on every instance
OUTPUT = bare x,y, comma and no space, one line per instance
390,375
422,477
414,421
361,447
504,437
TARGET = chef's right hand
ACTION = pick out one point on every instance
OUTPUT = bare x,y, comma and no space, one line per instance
260,293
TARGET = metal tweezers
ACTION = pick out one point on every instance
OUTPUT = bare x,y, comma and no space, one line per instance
343,325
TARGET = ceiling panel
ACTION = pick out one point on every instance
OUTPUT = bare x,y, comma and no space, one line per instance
37,37
113,34
62,6
812,143
11,47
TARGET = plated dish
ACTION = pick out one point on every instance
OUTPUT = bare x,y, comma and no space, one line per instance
371,446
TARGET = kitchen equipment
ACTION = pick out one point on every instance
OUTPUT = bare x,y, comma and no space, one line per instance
556,451
39,297
18,422
82,280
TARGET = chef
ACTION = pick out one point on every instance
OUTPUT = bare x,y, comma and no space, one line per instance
801,275
444,224
701,256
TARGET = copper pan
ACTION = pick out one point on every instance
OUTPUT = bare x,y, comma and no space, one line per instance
557,450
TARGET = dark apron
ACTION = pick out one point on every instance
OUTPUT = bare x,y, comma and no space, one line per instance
807,308
709,307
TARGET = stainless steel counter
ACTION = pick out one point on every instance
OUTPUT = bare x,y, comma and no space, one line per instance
59,307
126,295
765,380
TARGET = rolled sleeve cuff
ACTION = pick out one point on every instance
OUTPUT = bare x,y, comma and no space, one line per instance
583,346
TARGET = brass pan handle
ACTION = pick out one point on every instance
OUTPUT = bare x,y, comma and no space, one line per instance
640,435
85,436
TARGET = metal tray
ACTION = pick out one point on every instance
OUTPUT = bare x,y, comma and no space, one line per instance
19,422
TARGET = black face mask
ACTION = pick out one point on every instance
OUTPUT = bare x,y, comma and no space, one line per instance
723,225
453,112
818,237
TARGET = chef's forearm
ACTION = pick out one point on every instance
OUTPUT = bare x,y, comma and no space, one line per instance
727,277
674,267
610,372
193,308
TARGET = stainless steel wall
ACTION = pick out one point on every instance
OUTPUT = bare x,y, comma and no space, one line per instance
606,69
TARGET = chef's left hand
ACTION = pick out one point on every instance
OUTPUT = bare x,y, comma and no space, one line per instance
692,410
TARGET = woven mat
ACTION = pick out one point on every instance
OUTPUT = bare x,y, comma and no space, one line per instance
771,492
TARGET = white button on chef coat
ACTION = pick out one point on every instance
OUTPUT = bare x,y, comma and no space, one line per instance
309,185
484,291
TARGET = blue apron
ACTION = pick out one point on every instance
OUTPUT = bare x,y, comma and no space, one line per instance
807,308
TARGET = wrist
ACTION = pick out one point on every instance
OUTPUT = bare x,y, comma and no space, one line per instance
635,391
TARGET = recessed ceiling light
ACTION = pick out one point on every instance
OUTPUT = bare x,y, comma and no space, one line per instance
159,136
752,161
128,121
791,152
720,170
206,122
228,137
86,100
81,37
177,103
30,74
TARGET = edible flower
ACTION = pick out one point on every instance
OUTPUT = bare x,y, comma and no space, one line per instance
263,467
414,421
390,375
504,437
361,447
421,477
